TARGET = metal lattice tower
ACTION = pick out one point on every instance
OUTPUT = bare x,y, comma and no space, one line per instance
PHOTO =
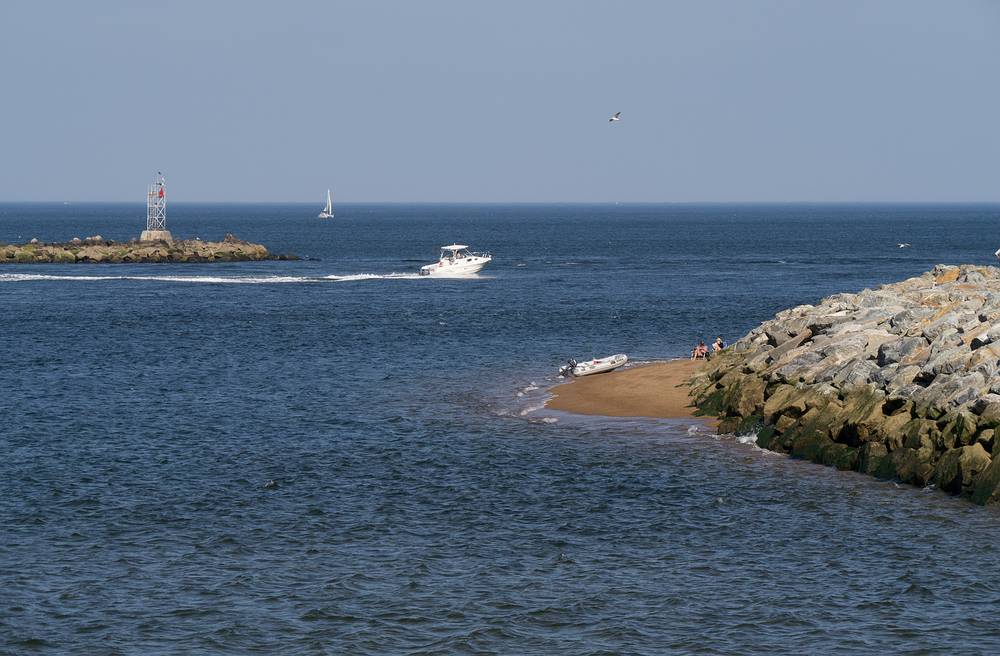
156,212
156,204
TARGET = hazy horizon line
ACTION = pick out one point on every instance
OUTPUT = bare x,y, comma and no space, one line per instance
517,202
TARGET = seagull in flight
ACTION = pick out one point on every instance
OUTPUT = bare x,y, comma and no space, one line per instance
903,245
616,117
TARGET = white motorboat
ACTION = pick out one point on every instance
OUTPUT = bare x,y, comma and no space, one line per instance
596,366
327,212
456,260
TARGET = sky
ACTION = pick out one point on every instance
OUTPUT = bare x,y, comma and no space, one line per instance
458,101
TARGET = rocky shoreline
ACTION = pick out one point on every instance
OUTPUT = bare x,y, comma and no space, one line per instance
96,250
900,382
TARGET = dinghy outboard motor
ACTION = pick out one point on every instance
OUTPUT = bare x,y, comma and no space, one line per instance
567,369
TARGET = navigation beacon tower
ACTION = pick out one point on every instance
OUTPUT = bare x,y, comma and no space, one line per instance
156,212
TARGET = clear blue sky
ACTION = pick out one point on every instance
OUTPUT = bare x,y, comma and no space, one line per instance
501,101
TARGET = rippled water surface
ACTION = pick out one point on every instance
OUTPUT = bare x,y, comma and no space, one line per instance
425,502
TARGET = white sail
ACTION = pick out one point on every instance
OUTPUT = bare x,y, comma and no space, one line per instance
327,212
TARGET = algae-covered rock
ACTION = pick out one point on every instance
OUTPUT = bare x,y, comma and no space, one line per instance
745,397
870,456
841,456
956,429
986,438
957,468
985,487
913,465
862,414
785,400
809,444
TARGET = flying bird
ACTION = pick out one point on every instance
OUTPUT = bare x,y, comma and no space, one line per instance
616,117
903,245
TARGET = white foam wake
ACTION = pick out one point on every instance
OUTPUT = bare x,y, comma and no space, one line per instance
245,280
374,276
219,280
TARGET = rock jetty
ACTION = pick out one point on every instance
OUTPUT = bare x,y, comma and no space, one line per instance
900,382
100,251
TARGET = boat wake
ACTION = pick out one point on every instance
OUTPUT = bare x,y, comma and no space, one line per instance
246,280
226,280
358,277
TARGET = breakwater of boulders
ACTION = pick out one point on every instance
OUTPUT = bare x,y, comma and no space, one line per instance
900,382
96,250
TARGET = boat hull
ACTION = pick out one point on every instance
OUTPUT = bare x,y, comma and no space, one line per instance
599,365
443,269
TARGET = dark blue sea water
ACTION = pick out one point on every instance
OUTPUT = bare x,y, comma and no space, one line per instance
425,503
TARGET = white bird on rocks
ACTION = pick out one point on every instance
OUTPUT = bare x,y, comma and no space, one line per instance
903,245
616,117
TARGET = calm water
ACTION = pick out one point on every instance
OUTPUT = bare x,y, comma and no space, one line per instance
425,504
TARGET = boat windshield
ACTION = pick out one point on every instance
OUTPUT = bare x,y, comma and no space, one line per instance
448,254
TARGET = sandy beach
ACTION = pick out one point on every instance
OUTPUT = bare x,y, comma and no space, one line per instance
656,390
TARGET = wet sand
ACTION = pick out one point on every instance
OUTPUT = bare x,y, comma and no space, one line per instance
656,390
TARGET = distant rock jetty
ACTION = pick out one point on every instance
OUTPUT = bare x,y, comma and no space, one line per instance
96,250
901,382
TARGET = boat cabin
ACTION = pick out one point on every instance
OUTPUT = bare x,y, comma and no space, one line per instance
454,252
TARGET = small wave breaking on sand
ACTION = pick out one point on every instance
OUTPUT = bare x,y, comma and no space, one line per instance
747,439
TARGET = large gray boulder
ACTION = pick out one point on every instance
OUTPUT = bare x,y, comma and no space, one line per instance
898,350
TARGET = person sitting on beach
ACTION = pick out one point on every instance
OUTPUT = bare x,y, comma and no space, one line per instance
718,345
700,351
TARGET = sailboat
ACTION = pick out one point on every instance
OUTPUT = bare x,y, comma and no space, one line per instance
327,212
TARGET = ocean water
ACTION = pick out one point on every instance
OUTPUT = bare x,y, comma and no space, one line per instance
425,502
